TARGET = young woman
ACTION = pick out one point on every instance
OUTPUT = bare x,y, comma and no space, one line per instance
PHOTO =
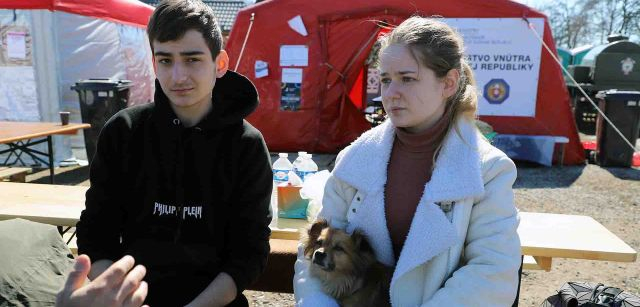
433,197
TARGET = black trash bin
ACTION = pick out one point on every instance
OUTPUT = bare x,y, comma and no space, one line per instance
99,100
623,109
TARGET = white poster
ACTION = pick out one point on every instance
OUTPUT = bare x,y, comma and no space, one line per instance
292,75
294,55
505,57
16,45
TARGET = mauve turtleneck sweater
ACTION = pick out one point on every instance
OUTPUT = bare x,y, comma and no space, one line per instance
409,169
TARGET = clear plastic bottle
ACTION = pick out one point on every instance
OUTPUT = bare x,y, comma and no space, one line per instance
294,180
298,161
281,169
307,167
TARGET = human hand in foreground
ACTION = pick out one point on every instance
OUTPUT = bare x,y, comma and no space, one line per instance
120,285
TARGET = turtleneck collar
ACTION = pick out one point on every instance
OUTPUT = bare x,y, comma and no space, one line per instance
422,142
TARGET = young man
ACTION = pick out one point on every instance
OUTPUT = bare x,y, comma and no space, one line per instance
183,184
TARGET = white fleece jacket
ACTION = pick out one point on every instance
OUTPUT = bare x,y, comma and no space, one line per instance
466,256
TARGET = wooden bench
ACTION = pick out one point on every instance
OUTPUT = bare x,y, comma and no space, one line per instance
15,174
543,236
531,263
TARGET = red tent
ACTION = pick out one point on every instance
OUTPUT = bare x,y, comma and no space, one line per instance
339,39
131,12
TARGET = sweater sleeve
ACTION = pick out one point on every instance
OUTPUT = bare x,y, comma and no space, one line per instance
247,233
101,221
492,253
335,202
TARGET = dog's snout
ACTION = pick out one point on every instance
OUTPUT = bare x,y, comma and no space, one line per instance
318,257
321,259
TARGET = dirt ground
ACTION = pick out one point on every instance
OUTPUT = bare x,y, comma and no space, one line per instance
609,195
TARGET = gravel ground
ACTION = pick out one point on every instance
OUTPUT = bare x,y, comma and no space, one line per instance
609,195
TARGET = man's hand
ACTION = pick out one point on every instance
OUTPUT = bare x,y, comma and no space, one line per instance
119,285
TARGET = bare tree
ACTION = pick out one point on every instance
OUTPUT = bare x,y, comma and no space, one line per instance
581,22
630,12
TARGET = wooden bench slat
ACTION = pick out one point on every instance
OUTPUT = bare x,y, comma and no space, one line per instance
18,174
10,171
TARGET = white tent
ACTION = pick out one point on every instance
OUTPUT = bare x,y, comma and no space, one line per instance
47,46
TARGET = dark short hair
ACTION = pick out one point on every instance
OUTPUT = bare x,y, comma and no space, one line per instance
173,18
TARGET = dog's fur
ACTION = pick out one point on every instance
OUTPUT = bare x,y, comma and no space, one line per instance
347,266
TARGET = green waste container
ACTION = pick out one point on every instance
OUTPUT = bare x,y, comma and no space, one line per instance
623,109
99,100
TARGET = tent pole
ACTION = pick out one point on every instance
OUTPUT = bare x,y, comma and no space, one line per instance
246,37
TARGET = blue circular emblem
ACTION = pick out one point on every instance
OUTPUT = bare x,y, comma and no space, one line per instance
496,91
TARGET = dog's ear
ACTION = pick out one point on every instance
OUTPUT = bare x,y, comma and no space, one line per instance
312,235
361,242
317,227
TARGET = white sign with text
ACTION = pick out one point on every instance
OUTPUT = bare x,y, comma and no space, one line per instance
505,57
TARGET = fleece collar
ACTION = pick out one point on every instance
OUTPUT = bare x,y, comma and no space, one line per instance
456,174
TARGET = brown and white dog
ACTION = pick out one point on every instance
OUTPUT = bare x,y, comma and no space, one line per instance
347,266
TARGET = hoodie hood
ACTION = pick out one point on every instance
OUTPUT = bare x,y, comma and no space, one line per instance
234,98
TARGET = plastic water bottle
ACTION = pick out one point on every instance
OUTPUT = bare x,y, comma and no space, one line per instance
307,166
281,169
298,161
294,180
313,167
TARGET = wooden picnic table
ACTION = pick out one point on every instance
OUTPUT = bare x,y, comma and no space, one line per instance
20,137
546,236
543,236
61,205
58,205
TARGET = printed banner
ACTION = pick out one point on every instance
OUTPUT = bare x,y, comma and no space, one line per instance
505,57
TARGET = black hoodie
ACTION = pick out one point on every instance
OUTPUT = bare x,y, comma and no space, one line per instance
188,203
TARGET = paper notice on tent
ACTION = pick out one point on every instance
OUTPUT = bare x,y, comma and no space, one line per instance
297,25
294,55
505,57
290,94
261,69
16,45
